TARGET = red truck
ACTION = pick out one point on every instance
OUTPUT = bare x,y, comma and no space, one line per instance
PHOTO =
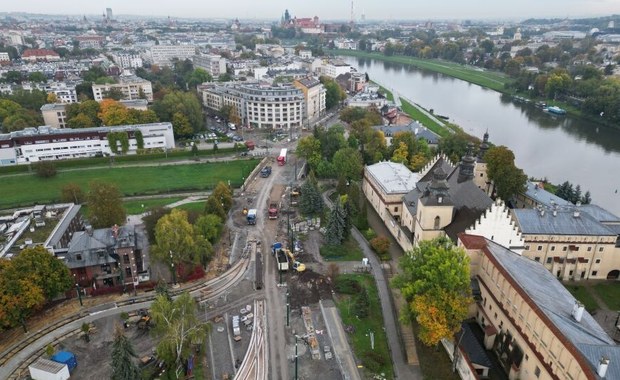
273,210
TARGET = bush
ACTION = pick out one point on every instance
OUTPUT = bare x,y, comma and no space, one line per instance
347,286
373,360
369,234
45,169
381,245
362,305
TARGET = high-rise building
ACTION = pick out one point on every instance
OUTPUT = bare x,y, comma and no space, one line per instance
108,14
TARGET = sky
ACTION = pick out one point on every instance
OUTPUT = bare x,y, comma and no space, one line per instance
327,9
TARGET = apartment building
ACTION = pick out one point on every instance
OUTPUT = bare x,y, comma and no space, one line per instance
128,60
4,57
54,115
132,87
215,65
34,55
314,93
333,69
277,107
47,143
536,328
162,55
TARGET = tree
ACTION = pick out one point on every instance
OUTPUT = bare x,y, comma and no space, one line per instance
310,202
214,206
198,76
309,148
435,282
181,125
507,178
335,230
177,326
401,154
333,93
45,271
86,331
223,193
113,113
151,218
52,98
123,354
113,93
81,121
19,297
45,169
186,103
72,193
105,206
348,163
381,245
176,241
209,226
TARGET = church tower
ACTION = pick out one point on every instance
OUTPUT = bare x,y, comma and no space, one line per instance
481,178
467,165
435,208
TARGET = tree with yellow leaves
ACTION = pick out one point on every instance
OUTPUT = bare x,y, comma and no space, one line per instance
435,282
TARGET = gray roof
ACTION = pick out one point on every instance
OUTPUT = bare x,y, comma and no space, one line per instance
418,130
99,247
394,178
541,196
599,213
564,223
552,298
476,353
70,213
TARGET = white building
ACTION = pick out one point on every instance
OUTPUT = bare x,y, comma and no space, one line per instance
4,57
215,65
47,143
54,115
278,107
333,69
131,86
345,43
128,60
162,55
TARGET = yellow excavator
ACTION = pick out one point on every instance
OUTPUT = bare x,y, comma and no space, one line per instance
298,266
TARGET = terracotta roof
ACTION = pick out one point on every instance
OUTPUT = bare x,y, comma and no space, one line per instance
39,53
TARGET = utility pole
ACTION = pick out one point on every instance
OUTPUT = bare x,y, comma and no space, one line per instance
296,357
288,309
174,272
79,293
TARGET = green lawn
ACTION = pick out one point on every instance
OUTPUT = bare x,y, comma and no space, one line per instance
360,339
489,79
388,94
135,207
30,189
582,294
193,206
434,361
609,292
348,251
418,115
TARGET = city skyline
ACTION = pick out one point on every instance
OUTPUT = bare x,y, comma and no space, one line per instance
325,9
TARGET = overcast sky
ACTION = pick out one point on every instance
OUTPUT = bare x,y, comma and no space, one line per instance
326,9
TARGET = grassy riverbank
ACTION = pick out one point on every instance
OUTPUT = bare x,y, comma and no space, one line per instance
140,180
490,79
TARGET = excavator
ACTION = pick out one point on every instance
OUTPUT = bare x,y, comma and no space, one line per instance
297,265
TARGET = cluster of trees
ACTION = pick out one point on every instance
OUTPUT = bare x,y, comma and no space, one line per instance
104,200
181,76
434,280
184,240
109,112
27,282
334,94
371,143
573,194
412,152
183,109
14,117
508,179
311,200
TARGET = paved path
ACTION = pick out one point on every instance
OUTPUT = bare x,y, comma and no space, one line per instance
339,340
430,115
401,369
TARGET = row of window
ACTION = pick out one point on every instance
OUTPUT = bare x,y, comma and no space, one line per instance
573,248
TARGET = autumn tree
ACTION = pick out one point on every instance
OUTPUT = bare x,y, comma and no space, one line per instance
19,296
214,206
401,153
47,272
123,357
508,179
177,242
435,279
224,194
113,113
51,98
105,206
381,245
178,328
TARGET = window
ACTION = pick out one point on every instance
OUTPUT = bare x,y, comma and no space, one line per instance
594,273
437,222
128,271
539,248
537,258
597,261
126,259
78,257
600,249
549,260
537,372
395,209
553,247
570,273
564,248
589,249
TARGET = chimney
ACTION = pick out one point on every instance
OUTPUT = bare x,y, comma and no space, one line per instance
578,309
576,213
542,212
115,231
603,364
555,212
89,230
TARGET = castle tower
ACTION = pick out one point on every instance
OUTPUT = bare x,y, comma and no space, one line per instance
467,165
481,178
435,208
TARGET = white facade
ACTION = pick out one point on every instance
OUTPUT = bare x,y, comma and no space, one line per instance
496,224
162,55
334,69
130,86
215,65
126,61
54,115
46,143
4,57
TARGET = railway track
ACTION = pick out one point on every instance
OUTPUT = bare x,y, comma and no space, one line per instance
200,291
254,365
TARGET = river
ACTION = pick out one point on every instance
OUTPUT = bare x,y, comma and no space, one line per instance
558,148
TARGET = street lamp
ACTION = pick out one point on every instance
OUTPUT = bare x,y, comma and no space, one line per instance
174,274
288,309
79,293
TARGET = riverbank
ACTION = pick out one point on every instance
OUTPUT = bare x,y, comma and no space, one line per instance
484,78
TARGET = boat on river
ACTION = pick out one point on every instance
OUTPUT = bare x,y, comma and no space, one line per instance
555,110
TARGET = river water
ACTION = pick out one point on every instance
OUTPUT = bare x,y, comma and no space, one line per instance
558,148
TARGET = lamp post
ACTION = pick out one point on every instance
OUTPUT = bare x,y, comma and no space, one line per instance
288,309
296,357
174,273
79,293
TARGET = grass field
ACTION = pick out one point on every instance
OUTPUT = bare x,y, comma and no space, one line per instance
609,292
360,339
348,251
489,79
193,206
582,294
145,180
429,123
134,207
